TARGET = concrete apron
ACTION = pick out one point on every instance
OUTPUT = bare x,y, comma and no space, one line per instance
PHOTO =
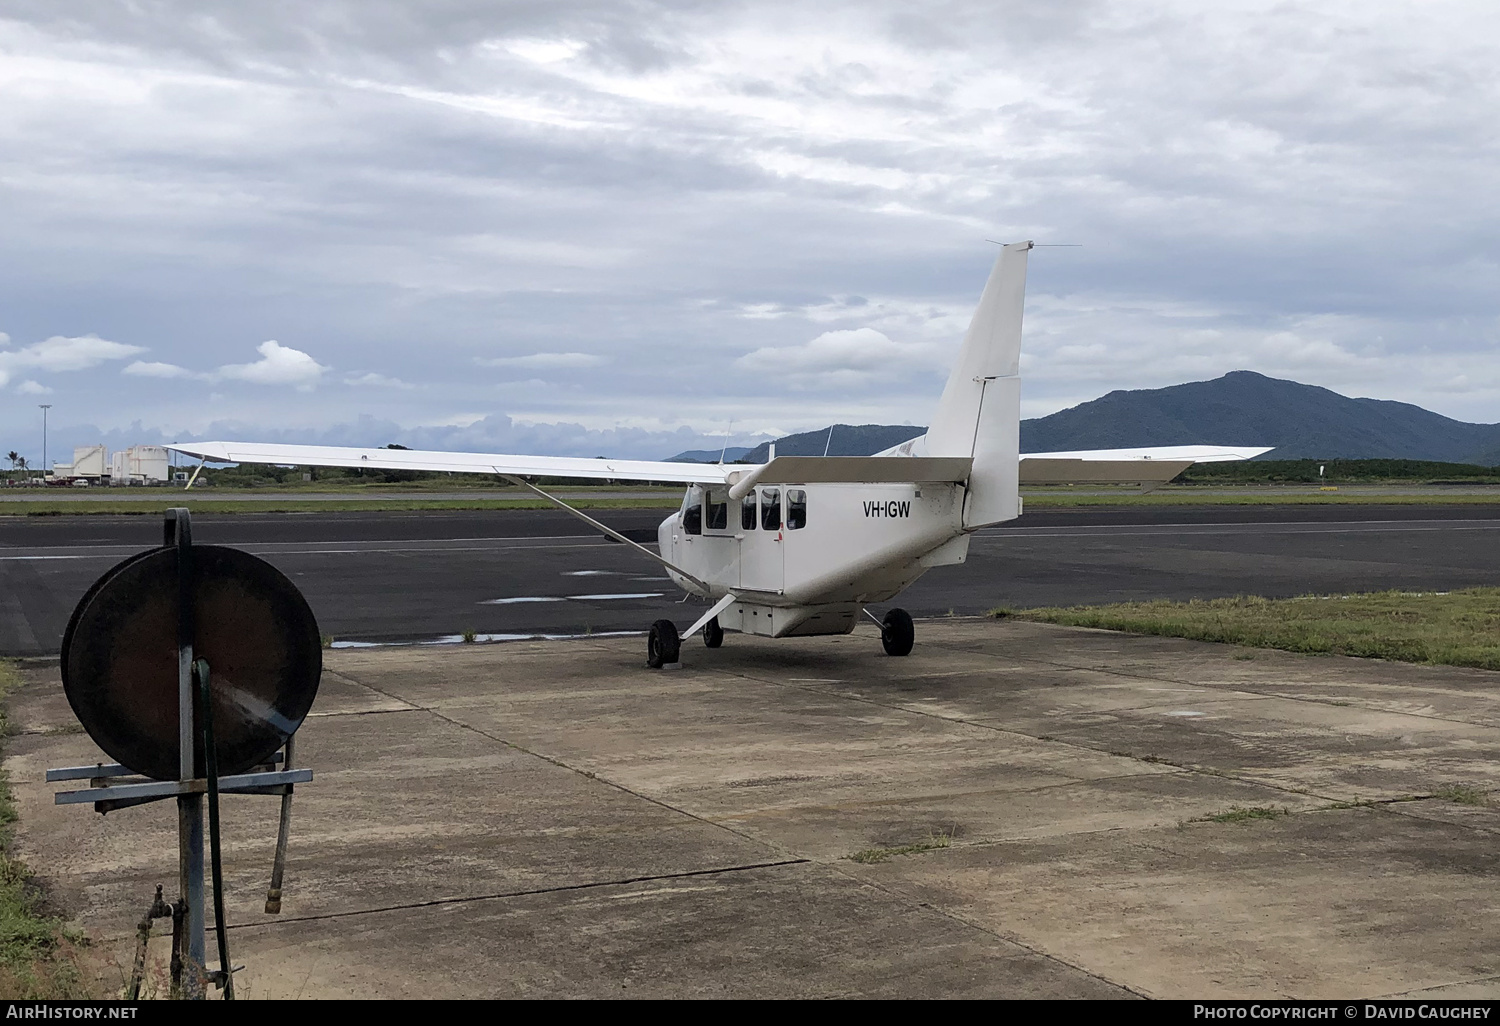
552,819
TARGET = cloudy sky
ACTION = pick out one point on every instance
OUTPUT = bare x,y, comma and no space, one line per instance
631,227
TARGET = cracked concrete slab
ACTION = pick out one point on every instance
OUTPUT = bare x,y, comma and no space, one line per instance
577,825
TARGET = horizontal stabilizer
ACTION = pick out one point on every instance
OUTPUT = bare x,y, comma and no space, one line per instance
1148,467
851,470
454,462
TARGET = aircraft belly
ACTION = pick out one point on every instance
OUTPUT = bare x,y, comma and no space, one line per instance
772,621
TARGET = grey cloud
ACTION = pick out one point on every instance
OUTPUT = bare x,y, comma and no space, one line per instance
387,187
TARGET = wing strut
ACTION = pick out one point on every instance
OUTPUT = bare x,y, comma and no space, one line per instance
719,607
611,532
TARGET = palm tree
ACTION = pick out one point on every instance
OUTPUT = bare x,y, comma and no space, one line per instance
14,457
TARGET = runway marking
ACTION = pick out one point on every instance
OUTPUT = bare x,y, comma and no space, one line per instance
17,559
606,598
524,598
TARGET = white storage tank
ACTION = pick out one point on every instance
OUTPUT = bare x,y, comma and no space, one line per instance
149,463
140,464
88,461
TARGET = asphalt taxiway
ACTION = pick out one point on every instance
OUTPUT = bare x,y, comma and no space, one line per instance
373,577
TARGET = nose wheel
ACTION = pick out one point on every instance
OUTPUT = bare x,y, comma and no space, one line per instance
897,633
713,634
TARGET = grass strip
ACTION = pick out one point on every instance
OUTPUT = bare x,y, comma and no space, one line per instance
38,954
1269,498
397,504
1456,628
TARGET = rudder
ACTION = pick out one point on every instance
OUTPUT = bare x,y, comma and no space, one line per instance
979,414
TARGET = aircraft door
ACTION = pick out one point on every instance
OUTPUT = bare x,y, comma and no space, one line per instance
718,548
761,541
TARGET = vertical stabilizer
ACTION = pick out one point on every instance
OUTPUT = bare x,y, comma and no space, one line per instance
979,414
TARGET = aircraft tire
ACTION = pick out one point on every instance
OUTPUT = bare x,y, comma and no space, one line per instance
713,634
662,644
897,633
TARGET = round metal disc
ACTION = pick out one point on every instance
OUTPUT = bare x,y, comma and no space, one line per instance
252,625
83,604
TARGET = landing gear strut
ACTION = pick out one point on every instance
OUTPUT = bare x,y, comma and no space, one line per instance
662,644
897,633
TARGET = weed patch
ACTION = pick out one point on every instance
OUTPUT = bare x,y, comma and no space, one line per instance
1462,794
38,956
871,856
1243,814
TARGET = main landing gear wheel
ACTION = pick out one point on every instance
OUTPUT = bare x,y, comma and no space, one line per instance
662,644
897,633
713,634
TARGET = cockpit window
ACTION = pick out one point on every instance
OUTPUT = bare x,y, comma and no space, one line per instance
717,509
770,509
692,511
796,509
747,512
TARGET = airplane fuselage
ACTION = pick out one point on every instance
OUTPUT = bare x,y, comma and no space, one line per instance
805,559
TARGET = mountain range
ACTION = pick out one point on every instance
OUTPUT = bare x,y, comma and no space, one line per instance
1240,408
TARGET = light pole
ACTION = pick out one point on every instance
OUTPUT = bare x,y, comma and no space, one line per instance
45,407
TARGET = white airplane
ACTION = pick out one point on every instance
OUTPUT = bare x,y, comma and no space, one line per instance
801,545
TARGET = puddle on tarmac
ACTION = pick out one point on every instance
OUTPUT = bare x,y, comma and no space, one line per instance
570,598
458,639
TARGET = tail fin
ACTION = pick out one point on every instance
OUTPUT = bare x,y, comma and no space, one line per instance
979,414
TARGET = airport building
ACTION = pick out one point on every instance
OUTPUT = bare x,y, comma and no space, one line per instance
137,465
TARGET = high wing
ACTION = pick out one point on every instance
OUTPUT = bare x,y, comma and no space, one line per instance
1151,467
795,469
455,462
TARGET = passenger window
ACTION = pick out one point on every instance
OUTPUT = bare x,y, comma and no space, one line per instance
770,509
796,509
718,509
747,512
692,512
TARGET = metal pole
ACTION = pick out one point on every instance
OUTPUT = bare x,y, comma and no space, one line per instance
189,807
45,407
211,771
278,867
